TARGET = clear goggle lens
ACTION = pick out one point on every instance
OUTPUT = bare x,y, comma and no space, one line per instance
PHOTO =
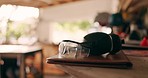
72,50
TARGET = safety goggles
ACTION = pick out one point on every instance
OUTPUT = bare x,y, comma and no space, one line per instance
72,49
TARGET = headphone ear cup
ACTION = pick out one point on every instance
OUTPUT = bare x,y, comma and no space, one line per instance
101,43
117,45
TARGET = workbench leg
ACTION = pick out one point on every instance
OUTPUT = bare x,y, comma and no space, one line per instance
22,66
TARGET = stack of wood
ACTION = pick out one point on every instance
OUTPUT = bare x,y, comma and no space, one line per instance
130,8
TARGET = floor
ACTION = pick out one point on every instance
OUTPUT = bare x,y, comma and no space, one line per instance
54,76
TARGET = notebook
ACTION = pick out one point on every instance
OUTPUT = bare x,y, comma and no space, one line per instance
134,47
118,60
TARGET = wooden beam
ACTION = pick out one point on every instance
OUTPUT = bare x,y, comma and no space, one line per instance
36,3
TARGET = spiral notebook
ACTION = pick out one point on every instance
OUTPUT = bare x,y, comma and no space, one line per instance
110,61
134,47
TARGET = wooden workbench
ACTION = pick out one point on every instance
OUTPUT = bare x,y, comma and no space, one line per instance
21,54
139,70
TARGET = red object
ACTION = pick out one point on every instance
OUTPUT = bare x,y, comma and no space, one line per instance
122,35
144,42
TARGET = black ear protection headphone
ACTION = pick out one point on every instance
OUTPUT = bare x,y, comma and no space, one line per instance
100,43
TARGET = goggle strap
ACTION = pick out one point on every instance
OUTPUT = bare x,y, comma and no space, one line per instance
71,41
111,43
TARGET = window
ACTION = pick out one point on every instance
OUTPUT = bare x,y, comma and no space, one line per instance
17,24
75,30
